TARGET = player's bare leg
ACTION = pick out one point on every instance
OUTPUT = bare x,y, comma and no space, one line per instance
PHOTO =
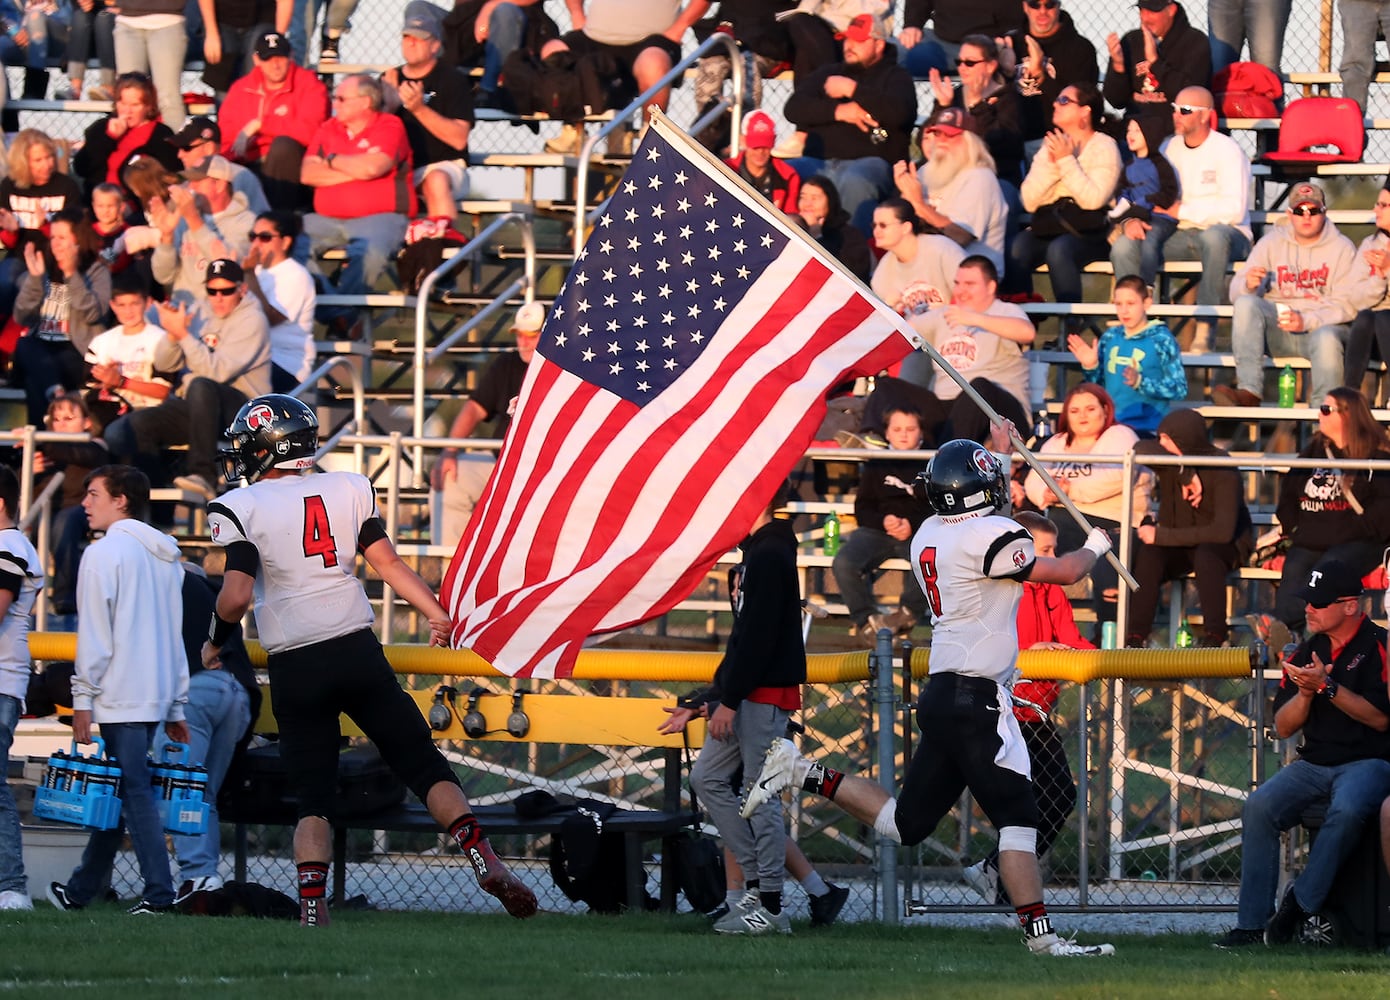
1019,872
450,809
313,847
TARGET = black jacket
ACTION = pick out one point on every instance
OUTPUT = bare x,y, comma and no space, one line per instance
1222,517
999,122
98,147
885,487
1184,60
953,20
1313,508
845,243
765,646
1069,58
885,90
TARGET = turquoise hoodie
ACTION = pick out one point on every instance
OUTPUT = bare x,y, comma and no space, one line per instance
1154,351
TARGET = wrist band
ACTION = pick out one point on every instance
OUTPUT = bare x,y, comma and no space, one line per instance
219,630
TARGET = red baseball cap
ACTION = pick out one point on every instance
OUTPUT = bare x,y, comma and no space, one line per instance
759,132
862,28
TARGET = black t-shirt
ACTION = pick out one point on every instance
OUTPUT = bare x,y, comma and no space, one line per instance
498,387
1330,736
448,92
244,13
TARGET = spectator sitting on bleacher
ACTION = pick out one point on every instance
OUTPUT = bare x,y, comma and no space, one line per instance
1202,527
887,514
1333,690
1331,513
819,213
1300,286
955,192
766,47
482,33
231,35
915,273
991,99
773,179
857,115
1050,53
147,182
1370,330
642,36
1087,425
461,479
981,337
936,47
1068,189
269,118
93,33
62,301
208,221
1213,213
1145,201
227,362
434,102
67,537
34,192
124,377
1152,63
152,37
287,294
360,168
1137,361
32,32
133,129
198,141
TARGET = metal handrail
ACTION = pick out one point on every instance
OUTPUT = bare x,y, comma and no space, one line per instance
624,117
359,405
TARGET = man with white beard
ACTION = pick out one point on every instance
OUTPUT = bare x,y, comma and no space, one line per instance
955,192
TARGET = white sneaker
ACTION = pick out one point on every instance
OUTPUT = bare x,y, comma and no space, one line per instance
197,484
1051,944
791,147
779,770
1201,340
568,143
758,920
983,877
12,899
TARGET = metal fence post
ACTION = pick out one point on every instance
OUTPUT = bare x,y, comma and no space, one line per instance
885,701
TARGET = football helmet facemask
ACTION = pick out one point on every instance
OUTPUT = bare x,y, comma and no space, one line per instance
274,431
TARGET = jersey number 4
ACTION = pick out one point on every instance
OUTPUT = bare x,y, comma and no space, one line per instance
926,561
318,537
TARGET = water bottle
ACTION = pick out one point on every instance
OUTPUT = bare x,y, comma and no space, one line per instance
832,534
1288,384
1185,640
1042,426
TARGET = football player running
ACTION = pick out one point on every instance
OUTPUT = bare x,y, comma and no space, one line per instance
292,536
971,561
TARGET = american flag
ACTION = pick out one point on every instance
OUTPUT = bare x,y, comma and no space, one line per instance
680,376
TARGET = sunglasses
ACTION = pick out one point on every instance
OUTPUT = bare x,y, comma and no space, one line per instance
222,291
1042,4
1324,607
265,237
968,62
1307,211
1327,411
1189,109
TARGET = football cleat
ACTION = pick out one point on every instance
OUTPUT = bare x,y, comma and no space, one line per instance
1051,944
824,909
779,768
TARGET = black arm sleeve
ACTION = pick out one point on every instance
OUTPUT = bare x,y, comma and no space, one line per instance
373,531
243,557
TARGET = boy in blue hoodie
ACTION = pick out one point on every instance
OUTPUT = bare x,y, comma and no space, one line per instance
1146,195
1138,362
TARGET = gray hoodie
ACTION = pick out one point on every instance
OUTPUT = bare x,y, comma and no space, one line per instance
131,664
1324,281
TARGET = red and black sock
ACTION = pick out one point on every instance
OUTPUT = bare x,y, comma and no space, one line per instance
1034,919
823,781
466,831
313,879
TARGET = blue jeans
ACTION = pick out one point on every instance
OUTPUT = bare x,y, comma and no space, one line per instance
160,54
1353,792
128,742
1255,327
48,35
92,29
931,53
371,242
1065,257
11,843
1143,257
862,184
861,552
305,17
218,712
1230,23
504,31
1215,246
1360,20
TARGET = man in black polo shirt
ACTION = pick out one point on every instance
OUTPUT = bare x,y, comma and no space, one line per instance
1334,689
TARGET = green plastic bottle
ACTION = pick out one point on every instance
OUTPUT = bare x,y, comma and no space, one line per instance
1288,387
832,534
1185,640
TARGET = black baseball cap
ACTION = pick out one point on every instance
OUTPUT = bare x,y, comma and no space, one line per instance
273,44
196,130
1328,582
225,270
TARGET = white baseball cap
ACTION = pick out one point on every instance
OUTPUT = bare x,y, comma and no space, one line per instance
529,318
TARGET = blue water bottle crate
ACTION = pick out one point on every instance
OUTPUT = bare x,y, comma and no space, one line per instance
180,789
83,791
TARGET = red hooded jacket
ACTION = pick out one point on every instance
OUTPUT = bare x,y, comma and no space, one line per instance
295,110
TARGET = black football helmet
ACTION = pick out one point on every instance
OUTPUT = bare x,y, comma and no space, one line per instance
269,432
964,477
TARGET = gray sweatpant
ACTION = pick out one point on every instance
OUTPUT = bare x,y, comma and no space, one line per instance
759,843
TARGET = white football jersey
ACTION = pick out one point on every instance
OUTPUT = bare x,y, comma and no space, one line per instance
305,529
18,557
971,568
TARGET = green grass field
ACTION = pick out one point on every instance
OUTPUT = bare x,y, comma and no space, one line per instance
394,956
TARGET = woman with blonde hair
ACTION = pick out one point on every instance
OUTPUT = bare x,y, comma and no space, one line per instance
34,192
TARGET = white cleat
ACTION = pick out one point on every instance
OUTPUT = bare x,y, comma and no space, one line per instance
779,768
984,879
1051,944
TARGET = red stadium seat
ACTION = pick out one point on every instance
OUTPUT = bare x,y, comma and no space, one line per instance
1317,122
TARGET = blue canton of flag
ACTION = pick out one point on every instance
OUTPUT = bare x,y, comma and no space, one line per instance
668,260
